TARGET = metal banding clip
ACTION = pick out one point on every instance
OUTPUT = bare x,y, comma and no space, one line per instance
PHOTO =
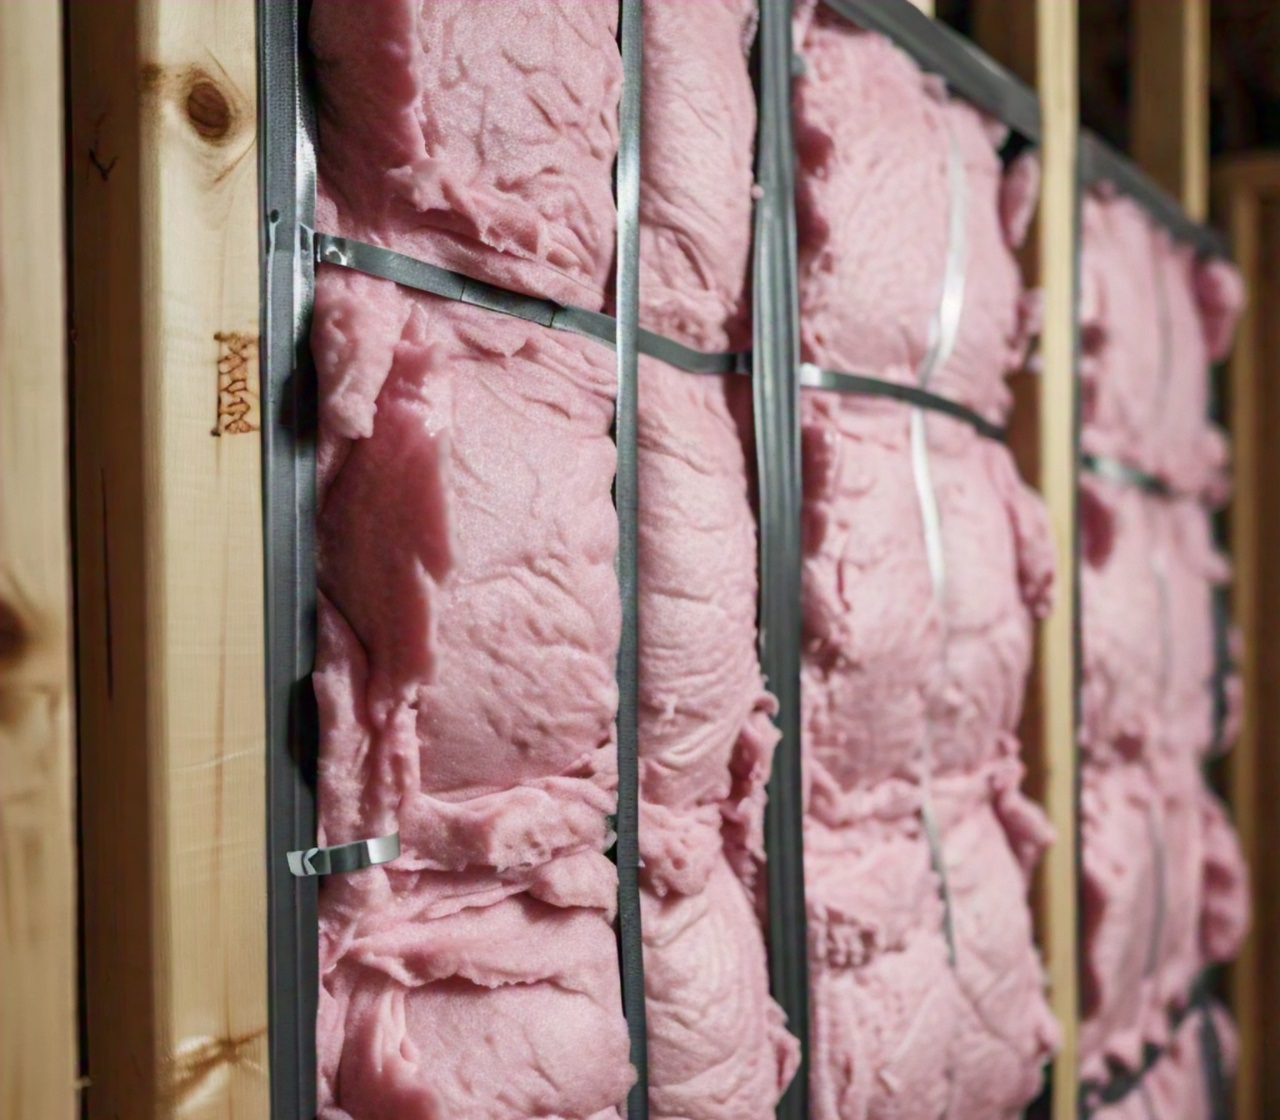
1115,470
343,858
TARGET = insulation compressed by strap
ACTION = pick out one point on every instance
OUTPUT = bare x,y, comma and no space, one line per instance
1186,1077
812,377
375,260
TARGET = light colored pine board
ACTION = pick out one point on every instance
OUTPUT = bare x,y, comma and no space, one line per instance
1247,200
38,1031
166,302
1169,59
1056,81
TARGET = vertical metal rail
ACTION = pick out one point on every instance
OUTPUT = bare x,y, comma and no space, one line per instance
626,499
287,175
776,398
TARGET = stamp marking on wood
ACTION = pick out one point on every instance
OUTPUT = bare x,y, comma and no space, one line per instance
239,405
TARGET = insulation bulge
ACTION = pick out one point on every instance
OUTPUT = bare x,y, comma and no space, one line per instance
1164,883
469,617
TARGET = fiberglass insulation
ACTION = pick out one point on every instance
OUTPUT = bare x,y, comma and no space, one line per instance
1164,883
469,614
718,1049
469,619
1178,1085
913,690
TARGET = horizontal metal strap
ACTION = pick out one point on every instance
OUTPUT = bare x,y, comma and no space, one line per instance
343,858
686,358
1116,470
813,377
1096,1094
386,264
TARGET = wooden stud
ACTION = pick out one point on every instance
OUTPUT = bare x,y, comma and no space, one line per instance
1170,99
38,1027
1244,218
1056,53
1247,194
165,290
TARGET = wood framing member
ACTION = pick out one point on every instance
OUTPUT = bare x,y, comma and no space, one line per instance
1169,61
1057,31
38,1030
1247,201
165,303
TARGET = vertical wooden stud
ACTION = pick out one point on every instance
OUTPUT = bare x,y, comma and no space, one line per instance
1170,98
1247,199
165,237
1056,66
1244,216
38,1031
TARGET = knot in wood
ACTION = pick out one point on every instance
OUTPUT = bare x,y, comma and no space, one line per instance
13,634
208,110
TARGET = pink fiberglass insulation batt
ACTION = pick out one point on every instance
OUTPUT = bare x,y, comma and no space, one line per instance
898,1030
1164,880
876,642
509,806
885,1001
495,758
1149,824
1177,1086
901,681
1153,318
718,1049
1151,567
469,613
706,744
991,838
872,140
1163,896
